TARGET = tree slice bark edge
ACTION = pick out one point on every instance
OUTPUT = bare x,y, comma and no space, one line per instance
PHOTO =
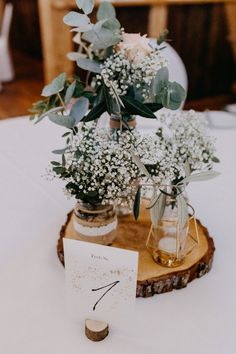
96,330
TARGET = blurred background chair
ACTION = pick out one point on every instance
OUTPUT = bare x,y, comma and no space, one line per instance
6,67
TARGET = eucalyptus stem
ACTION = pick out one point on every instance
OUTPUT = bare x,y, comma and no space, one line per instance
61,100
87,78
88,52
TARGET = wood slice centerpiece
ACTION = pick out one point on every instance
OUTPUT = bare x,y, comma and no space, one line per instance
153,278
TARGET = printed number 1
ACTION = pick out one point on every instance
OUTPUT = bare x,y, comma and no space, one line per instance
103,287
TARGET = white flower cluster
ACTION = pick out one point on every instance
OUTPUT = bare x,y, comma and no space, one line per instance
98,162
181,137
122,73
100,166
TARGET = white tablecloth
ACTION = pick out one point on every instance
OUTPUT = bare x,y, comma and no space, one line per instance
200,319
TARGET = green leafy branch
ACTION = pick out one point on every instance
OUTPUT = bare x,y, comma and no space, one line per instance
169,94
58,96
94,40
158,200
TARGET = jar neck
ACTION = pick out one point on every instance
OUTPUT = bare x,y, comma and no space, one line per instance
93,208
115,122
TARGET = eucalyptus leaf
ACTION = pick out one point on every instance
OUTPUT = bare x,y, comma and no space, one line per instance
85,5
90,95
182,210
59,151
98,26
187,168
74,56
106,39
136,206
70,92
154,107
56,86
95,113
65,121
59,170
79,109
55,163
112,24
85,28
215,159
135,107
140,165
90,36
78,153
89,65
174,95
101,38
157,211
53,110
108,99
75,19
153,200
166,98
66,134
201,176
106,10
99,97
161,80
63,160
178,93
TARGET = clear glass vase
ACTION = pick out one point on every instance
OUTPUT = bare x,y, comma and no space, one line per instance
95,223
167,242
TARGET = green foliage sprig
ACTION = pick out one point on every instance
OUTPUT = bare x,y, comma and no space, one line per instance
160,193
62,99
59,95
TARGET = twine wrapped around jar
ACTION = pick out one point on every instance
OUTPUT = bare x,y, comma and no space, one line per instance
115,122
95,223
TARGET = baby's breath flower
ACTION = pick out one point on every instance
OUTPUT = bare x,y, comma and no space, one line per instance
120,73
103,166
99,163
181,137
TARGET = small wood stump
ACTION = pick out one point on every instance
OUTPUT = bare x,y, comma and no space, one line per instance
153,278
96,330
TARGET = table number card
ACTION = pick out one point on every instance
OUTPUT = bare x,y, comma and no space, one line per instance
100,281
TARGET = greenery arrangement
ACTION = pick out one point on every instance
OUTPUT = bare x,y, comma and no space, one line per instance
103,166
180,152
126,74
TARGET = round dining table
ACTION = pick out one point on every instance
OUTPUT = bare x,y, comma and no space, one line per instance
199,319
